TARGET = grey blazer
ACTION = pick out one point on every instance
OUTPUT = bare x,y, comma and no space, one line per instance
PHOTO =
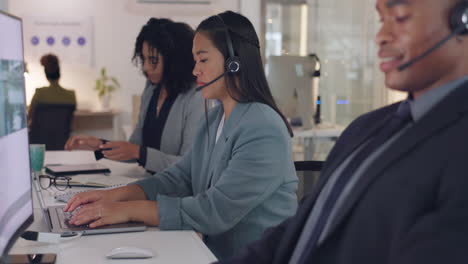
233,190
178,131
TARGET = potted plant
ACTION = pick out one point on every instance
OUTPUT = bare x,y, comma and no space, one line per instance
105,85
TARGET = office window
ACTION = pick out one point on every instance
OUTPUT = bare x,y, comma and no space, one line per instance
342,34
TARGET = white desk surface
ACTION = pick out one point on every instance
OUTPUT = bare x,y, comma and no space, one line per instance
168,246
321,131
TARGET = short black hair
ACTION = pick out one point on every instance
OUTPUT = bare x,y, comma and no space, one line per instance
174,41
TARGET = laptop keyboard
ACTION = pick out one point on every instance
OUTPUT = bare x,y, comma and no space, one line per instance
69,215
66,216
66,196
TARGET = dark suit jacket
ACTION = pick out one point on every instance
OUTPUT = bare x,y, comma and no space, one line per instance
410,206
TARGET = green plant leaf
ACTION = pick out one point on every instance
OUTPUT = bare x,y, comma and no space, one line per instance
102,84
98,85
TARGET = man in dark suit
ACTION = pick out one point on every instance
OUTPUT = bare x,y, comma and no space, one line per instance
395,187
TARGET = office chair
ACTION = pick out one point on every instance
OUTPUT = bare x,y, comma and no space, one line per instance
308,174
51,125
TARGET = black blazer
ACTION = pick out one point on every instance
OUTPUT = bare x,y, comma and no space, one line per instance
410,206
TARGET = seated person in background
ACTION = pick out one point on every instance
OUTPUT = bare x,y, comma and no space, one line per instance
170,107
238,178
54,93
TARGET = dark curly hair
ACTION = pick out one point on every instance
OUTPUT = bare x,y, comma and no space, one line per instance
253,85
51,66
173,40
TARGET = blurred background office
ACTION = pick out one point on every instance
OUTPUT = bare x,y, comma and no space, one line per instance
51,109
53,93
88,35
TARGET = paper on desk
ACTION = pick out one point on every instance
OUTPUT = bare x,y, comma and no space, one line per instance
69,157
74,183
99,179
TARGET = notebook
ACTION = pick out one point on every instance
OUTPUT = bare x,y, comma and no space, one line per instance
67,170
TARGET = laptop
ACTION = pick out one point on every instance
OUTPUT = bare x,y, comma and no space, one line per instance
57,222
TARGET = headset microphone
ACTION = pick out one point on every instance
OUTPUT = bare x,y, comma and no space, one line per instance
459,26
430,50
206,84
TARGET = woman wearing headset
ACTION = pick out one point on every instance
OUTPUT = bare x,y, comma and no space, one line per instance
170,107
239,178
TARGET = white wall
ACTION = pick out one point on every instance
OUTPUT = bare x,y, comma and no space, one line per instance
252,10
116,26
4,5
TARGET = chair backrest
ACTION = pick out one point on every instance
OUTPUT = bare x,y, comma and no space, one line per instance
51,125
308,174
309,165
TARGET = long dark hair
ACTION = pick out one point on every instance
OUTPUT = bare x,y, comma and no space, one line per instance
253,85
173,40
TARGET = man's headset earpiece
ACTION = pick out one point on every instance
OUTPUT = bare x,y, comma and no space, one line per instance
458,20
459,17
232,63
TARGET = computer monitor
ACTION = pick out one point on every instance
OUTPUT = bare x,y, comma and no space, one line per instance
294,85
16,209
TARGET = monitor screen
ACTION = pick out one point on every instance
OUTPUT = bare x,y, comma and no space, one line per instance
293,86
16,209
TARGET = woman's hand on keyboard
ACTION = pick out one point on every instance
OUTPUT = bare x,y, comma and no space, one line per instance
126,193
88,197
106,213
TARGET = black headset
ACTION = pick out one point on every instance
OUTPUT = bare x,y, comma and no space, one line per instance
232,63
459,17
458,21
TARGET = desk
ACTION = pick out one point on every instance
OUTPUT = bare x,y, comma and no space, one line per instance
169,246
102,124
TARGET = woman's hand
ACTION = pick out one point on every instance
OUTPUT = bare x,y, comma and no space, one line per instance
127,193
88,197
120,150
106,213
83,142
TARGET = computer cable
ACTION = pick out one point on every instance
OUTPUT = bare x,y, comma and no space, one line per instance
52,238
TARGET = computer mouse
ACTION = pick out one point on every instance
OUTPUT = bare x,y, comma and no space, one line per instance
129,253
